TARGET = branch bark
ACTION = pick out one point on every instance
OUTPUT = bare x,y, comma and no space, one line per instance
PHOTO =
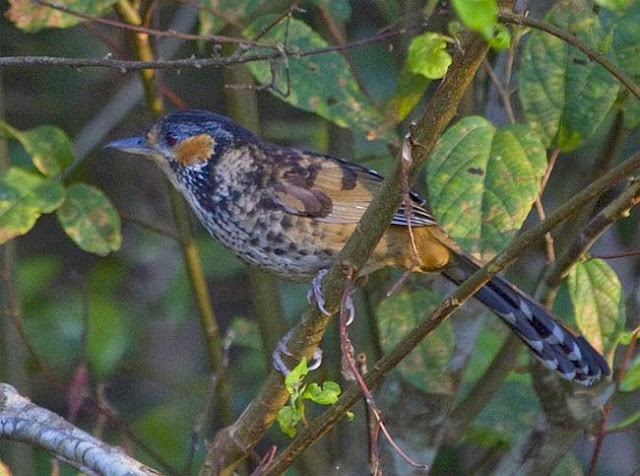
21,420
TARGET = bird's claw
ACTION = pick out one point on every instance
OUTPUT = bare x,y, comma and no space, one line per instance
315,293
351,309
282,349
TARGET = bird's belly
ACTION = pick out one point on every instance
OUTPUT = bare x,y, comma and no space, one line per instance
289,246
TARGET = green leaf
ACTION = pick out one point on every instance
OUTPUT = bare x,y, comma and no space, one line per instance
410,89
293,380
477,15
486,437
245,333
326,395
428,55
24,196
218,261
486,346
626,337
565,95
49,147
288,418
425,366
90,220
631,380
597,303
501,39
511,411
427,59
632,113
35,273
322,84
482,181
30,17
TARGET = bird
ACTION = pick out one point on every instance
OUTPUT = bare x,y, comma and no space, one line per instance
290,211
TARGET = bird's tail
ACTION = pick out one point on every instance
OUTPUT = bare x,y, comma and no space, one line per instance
552,343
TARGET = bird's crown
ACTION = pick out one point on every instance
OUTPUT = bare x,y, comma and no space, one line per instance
187,139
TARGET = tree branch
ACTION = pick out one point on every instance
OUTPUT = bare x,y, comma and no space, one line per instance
197,63
617,209
21,420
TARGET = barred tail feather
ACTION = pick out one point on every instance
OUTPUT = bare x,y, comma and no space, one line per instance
551,342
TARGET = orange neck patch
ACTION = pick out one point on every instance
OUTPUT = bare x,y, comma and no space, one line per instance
196,149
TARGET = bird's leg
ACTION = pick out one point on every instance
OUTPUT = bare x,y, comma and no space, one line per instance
314,293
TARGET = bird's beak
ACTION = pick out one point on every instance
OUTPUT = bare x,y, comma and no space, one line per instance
132,145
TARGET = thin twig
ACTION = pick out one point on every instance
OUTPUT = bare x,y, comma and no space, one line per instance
406,161
197,63
548,237
159,230
347,355
285,14
616,255
505,96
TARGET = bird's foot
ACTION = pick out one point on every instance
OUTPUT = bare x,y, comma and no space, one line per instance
315,293
283,349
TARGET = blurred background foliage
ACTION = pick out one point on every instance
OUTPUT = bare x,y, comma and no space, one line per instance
110,311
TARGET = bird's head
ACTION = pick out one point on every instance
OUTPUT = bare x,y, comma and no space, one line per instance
186,144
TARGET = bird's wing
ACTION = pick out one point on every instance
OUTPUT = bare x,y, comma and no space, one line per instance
331,190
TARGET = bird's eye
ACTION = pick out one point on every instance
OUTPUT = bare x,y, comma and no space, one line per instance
171,138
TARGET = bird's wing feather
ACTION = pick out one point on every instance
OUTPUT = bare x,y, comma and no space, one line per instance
332,190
